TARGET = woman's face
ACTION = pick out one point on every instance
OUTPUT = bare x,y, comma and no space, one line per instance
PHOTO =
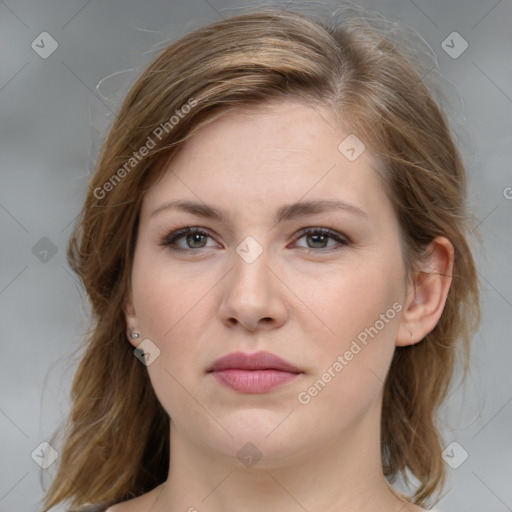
261,275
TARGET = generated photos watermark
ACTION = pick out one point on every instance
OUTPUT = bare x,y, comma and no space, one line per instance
137,156
361,341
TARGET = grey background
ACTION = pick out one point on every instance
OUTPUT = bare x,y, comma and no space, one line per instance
53,120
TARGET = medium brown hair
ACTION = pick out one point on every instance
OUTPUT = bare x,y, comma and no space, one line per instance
117,435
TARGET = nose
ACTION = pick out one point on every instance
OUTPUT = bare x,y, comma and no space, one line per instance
252,296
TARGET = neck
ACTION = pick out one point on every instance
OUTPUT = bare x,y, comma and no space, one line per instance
339,476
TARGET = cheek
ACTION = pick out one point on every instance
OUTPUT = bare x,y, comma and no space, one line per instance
173,309
360,309
348,380
167,307
351,298
164,297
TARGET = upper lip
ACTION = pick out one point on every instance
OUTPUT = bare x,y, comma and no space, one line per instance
254,361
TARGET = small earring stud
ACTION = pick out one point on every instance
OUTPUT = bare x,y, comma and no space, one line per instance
412,337
134,335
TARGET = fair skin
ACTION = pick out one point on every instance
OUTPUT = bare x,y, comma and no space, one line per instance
305,298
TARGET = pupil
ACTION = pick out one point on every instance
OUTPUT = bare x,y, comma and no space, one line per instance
195,238
318,238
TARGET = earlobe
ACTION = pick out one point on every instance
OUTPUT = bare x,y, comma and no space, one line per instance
429,291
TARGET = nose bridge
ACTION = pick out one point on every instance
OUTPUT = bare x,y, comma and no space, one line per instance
250,276
251,294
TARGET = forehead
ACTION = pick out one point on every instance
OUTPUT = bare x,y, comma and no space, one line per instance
281,153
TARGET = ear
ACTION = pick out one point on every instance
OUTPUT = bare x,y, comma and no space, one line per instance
131,321
427,293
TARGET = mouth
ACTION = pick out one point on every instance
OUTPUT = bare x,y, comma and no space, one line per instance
253,373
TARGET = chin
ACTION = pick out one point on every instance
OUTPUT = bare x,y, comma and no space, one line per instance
262,434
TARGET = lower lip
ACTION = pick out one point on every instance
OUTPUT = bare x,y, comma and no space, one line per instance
253,381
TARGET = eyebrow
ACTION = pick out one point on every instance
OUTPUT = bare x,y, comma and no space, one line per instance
286,212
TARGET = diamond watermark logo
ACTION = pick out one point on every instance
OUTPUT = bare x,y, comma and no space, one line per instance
454,45
45,455
44,249
351,147
146,352
249,250
44,45
454,455
249,455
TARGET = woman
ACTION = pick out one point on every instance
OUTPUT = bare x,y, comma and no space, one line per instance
275,248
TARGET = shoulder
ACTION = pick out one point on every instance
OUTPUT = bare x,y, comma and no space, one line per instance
89,508
133,505
125,506
118,507
140,504
410,507
94,508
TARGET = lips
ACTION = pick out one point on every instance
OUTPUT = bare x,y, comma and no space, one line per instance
256,361
253,373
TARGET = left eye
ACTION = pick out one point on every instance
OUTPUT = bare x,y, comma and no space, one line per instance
319,238
196,238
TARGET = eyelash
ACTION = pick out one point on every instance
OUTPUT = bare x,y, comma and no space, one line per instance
174,236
